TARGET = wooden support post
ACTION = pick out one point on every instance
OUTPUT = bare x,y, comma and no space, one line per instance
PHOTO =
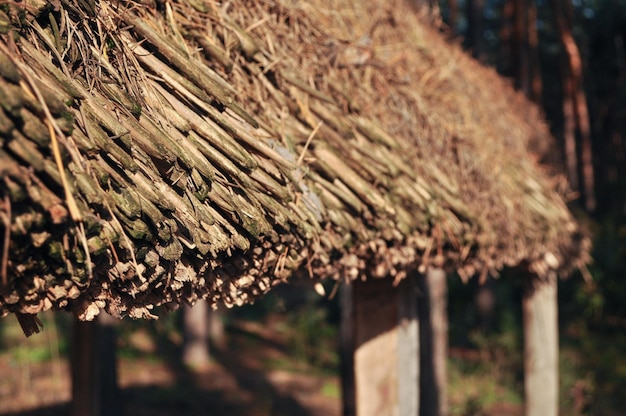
94,368
408,348
217,334
433,317
541,346
110,400
84,380
346,335
384,349
196,335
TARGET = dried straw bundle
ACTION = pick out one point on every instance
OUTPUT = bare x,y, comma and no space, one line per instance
157,152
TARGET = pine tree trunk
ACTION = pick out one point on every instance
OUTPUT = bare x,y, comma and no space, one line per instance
506,39
536,84
569,128
475,22
453,8
519,50
520,46
574,95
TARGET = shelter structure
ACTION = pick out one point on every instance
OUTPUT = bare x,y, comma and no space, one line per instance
157,152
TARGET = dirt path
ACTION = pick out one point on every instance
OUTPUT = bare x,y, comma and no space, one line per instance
244,378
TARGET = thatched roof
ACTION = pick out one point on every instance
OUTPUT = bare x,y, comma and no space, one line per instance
154,152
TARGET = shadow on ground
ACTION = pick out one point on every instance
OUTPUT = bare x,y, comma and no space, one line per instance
237,382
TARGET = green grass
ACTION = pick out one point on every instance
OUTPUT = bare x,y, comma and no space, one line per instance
474,386
593,370
592,353
51,343
331,390
592,373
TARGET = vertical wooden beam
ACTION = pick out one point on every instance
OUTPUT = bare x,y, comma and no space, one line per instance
84,381
109,397
433,320
217,334
408,346
437,284
385,348
95,390
346,335
196,334
375,358
541,346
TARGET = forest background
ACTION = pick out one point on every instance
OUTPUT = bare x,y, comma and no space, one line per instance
569,57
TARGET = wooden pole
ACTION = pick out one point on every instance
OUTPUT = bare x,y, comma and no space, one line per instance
384,335
375,357
196,334
84,380
433,318
217,334
408,346
109,397
95,390
541,346
346,335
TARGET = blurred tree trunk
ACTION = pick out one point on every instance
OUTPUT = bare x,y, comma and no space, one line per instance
475,29
541,346
485,303
453,18
196,335
433,319
519,47
575,107
569,128
535,91
506,39
525,49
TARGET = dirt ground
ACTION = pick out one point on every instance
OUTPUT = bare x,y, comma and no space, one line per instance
244,378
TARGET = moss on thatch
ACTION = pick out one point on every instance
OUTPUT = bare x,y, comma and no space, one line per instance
157,152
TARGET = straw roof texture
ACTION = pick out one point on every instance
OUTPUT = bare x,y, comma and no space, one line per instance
155,152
